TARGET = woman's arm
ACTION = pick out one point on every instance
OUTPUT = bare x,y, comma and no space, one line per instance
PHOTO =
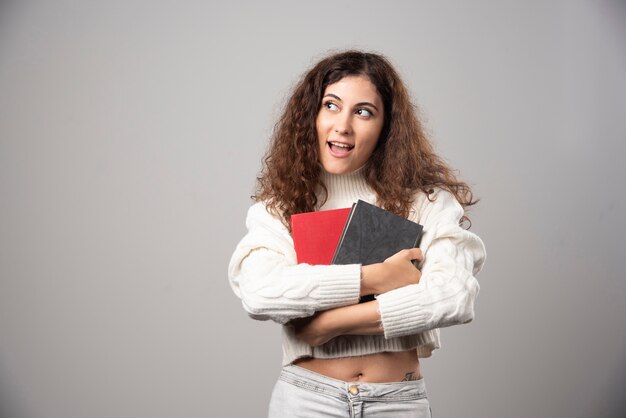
448,288
359,319
264,273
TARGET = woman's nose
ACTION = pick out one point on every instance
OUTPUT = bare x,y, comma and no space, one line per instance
343,125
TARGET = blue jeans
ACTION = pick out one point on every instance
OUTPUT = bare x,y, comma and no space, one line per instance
302,393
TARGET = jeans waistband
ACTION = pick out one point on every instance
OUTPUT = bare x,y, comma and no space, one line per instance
393,391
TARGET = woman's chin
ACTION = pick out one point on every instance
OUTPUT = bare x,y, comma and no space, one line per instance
338,169
342,164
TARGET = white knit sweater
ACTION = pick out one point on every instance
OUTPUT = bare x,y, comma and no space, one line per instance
264,274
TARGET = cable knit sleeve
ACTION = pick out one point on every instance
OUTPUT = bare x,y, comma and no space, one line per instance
263,272
447,289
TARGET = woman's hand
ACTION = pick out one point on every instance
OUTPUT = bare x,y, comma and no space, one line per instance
396,271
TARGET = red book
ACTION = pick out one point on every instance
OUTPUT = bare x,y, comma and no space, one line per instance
316,234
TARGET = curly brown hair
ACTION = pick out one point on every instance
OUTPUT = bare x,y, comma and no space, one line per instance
402,163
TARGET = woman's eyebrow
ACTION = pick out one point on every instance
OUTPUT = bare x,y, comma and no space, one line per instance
334,96
366,104
358,104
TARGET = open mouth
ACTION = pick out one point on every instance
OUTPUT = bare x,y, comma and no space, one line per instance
339,148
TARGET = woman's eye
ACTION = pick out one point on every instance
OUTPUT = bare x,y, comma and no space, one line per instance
331,106
364,112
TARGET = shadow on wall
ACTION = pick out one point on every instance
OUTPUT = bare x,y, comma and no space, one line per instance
9,402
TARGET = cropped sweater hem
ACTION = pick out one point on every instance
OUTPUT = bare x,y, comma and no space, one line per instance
357,345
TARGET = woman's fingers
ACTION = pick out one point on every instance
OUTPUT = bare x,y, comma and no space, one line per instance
408,254
414,254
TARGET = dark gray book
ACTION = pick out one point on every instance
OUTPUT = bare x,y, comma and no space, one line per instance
371,235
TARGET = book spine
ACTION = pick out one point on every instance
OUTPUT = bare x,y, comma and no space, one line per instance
343,233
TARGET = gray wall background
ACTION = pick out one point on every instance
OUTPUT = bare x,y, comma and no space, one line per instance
131,133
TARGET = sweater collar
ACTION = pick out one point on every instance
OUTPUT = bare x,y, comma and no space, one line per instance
345,189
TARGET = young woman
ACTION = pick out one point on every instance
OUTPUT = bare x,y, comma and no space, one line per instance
349,132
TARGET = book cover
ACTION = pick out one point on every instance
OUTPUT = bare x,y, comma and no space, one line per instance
372,234
316,234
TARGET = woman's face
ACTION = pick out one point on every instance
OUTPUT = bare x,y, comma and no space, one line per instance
348,124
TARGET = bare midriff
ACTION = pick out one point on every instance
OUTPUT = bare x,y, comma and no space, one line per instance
373,368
